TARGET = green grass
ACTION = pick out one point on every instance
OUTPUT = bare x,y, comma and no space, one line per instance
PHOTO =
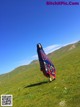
30,88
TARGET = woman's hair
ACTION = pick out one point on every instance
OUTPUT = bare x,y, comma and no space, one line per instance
39,46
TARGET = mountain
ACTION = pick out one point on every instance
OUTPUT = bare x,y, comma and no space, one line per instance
30,88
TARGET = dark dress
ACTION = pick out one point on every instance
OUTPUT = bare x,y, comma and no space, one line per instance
46,66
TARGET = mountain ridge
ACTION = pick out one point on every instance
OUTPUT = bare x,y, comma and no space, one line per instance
67,48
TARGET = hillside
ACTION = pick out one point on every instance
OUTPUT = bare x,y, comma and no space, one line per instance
30,88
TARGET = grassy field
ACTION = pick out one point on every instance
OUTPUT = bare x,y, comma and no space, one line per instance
30,88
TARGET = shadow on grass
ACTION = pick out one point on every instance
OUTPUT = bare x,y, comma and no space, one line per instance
36,84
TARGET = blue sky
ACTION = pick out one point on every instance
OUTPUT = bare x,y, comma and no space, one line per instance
24,23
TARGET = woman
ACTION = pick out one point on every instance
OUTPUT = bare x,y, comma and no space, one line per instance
46,65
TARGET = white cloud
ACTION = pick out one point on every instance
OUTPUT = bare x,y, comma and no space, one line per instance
24,62
48,50
70,43
35,56
51,48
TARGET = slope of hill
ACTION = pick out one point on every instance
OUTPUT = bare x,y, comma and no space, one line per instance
30,88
